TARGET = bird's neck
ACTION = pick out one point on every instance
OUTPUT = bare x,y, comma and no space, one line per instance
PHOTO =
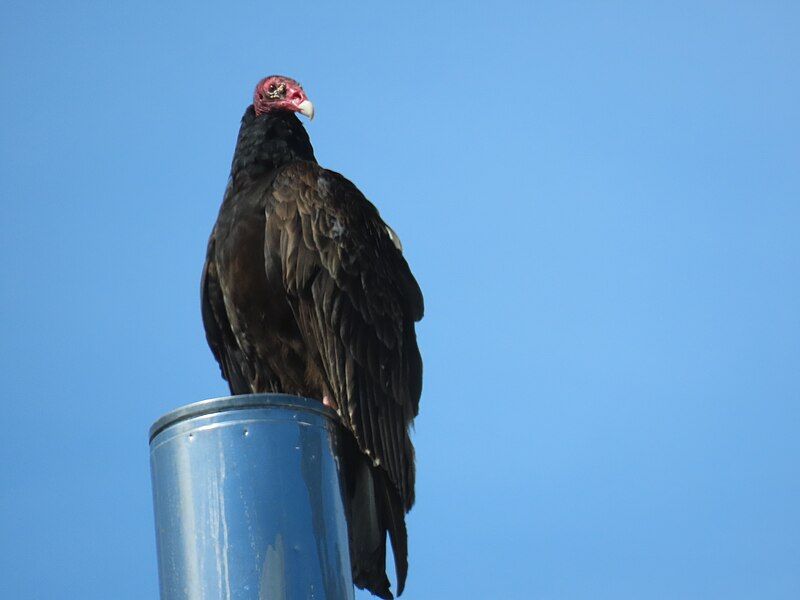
267,142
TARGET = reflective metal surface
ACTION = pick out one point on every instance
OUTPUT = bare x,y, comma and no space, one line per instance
247,501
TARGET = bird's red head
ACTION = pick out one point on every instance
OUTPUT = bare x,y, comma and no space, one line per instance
276,93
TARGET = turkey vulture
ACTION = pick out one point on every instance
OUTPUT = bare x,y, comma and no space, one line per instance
305,291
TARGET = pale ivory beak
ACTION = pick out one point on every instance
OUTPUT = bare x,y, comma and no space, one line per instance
306,108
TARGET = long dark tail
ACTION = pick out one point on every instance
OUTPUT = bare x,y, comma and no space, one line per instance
374,509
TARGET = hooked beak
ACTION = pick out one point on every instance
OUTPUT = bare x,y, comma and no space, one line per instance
307,109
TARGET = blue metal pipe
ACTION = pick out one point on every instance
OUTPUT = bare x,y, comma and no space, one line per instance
248,502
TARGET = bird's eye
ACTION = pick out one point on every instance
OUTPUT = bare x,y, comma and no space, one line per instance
275,91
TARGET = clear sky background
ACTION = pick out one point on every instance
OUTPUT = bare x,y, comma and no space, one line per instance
601,202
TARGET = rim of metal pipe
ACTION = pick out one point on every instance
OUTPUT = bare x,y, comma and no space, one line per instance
244,401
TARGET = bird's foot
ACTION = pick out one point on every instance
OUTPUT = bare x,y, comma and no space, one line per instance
328,401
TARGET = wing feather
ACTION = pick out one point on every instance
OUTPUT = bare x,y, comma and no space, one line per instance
217,327
356,300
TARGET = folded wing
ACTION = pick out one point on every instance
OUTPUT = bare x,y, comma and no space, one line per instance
356,302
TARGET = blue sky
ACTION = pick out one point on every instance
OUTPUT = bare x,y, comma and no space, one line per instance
601,203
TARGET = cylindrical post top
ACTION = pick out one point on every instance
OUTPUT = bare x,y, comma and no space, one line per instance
248,503
244,401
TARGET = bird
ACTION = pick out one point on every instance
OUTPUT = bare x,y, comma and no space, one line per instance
305,290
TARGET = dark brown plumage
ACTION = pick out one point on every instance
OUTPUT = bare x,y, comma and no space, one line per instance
305,292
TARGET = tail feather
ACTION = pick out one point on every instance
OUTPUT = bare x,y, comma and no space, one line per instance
396,524
374,510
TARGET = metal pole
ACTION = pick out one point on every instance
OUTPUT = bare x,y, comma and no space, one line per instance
248,502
